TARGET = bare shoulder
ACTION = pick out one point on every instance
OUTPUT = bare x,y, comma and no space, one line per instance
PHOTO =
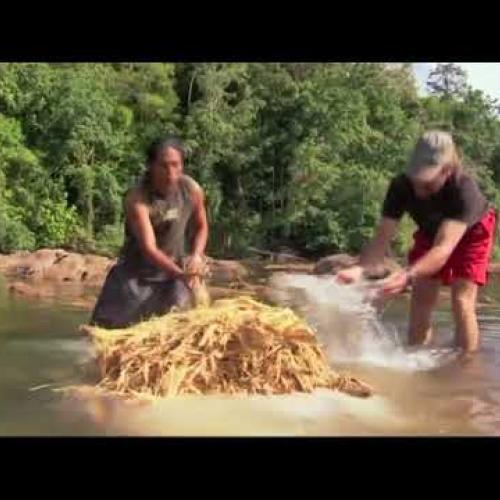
135,197
194,188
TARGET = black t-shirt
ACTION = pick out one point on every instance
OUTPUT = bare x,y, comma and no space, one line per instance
460,199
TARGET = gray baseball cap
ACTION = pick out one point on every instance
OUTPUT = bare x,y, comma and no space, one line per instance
434,148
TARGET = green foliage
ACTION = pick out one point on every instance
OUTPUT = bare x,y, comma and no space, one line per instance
448,80
292,154
109,240
14,235
55,223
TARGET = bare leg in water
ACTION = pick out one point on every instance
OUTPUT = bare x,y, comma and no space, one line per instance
464,297
423,300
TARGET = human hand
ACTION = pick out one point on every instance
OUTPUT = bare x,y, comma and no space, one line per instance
194,265
349,275
396,284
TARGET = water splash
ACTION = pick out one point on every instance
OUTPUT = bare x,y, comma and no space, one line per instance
349,325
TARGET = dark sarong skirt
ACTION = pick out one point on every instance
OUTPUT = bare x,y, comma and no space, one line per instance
128,298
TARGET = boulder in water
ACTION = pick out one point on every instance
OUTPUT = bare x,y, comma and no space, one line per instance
332,264
226,271
34,265
24,289
56,266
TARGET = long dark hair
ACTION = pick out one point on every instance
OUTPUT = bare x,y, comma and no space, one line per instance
156,148
159,145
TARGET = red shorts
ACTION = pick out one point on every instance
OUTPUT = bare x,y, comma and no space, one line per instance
471,256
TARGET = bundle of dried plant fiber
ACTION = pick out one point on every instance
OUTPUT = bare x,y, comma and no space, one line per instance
235,346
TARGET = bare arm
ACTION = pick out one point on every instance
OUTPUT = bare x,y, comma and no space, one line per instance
375,250
373,253
449,234
200,216
138,218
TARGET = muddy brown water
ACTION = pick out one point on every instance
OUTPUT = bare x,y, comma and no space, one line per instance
420,394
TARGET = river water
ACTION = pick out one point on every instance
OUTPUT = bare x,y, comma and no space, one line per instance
418,393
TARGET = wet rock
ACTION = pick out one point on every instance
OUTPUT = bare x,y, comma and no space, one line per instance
226,271
55,273
70,268
283,256
56,266
332,264
34,265
76,278
287,258
292,267
8,261
90,270
25,290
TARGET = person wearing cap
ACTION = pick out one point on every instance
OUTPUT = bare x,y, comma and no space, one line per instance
452,245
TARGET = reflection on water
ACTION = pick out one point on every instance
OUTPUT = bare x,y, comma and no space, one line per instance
419,392
323,412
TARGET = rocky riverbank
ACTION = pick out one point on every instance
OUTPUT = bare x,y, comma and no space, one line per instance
69,277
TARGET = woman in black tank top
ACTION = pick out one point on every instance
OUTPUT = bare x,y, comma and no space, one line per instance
166,225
